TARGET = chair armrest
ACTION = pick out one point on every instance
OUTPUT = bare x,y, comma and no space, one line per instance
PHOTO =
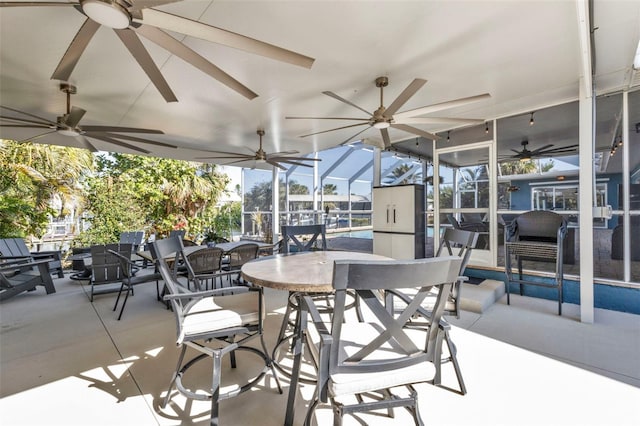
209,293
18,263
16,257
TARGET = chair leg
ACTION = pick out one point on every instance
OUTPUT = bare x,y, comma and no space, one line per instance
270,362
118,298
175,376
215,388
126,297
454,360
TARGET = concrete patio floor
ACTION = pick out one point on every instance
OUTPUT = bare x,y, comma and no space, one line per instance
66,361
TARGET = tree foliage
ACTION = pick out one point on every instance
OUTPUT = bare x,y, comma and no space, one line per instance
31,175
132,192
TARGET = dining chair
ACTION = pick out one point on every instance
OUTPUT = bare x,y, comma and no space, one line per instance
454,242
204,266
106,267
215,323
238,256
304,237
372,357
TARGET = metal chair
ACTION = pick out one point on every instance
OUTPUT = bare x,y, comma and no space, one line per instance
536,235
106,267
368,359
454,242
204,266
130,279
238,256
215,323
304,237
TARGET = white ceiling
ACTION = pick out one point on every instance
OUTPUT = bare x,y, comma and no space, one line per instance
526,54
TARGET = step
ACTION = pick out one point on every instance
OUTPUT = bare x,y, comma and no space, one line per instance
479,297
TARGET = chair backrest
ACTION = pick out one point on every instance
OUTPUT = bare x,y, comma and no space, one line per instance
106,267
177,233
457,242
537,225
453,221
367,279
172,286
169,250
472,217
132,237
241,254
304,237
204,261
13,247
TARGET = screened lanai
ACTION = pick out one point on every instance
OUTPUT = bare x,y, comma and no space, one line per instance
537,158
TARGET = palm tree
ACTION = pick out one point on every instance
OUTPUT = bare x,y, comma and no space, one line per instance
33,174
401,170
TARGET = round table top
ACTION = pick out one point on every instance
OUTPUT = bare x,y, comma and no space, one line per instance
305,272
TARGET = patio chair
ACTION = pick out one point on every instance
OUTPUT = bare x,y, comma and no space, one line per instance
134,238
20,275
106,268
204,266
238,256
454,242
482,228
304,237
180,233
538,236
16,248
369,359
130,279
215,323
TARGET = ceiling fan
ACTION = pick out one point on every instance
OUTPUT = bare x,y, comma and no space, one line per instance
545,151
131,18
275,159
68,125
385,117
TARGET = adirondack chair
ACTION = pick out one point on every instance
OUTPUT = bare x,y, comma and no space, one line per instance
16,248
21,275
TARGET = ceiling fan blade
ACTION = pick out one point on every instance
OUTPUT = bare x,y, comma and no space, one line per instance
174,46
86,144
26,126
275,164
337,128
385,137
141,55
131,138
341,99
74,51
293,158
416,131
349,139
296,163
443,105
121,129
143,4
35,3
119,143
32,138
563,148
436,120
227,153
327,118
202,31
284,153
539,150
403,97
73,118
27,114
226,157
239,161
